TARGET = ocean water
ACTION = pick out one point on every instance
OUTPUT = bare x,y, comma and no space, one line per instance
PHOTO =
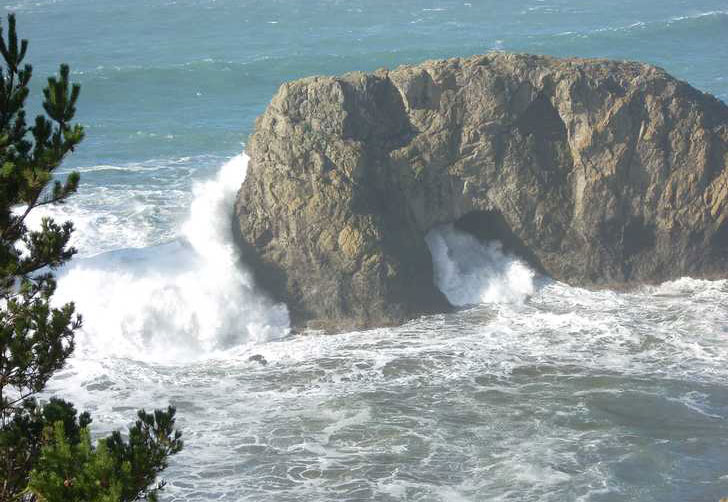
534,390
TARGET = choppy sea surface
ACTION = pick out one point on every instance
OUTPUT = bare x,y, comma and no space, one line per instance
534,390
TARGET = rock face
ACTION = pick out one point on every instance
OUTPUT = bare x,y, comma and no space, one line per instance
599,173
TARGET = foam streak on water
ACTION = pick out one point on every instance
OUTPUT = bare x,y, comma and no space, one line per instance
571,395
537,390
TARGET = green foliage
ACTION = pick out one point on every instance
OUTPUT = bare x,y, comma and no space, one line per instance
50,456
72,469
35,339
152,439
46,452
75,472
22,439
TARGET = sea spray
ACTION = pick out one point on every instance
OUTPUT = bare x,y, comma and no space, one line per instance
179,300
468,271
130,204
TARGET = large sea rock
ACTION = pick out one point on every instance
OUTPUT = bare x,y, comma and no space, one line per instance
599,173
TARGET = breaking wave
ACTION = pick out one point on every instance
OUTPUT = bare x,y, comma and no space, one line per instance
469,272
179,300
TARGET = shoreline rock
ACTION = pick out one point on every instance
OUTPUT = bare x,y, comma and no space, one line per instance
597,172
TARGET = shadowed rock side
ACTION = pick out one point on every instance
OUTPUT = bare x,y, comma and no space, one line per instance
600,173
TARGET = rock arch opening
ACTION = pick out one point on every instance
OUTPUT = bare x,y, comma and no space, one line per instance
479,260
489,226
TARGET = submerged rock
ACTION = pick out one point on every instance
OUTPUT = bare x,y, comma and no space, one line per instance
599,173
257,358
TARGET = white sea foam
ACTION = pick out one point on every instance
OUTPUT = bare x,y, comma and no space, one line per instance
497,399
176,301
528,399
127,213
468,271
699,15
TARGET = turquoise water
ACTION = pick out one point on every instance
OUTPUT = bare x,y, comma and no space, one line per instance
168,78
172,88
539,392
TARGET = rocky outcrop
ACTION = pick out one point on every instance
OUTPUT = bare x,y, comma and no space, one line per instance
598,172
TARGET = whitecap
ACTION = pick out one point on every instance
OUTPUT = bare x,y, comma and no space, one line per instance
176,301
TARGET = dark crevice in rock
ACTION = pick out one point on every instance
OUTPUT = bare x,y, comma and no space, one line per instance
542,120
419,289
721,238
637,237
267,276
546,136
638,241
376,113
423,93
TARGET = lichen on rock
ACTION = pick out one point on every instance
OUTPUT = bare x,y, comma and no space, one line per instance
598,172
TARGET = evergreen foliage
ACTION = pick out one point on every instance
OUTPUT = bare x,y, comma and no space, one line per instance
46,451
71,469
